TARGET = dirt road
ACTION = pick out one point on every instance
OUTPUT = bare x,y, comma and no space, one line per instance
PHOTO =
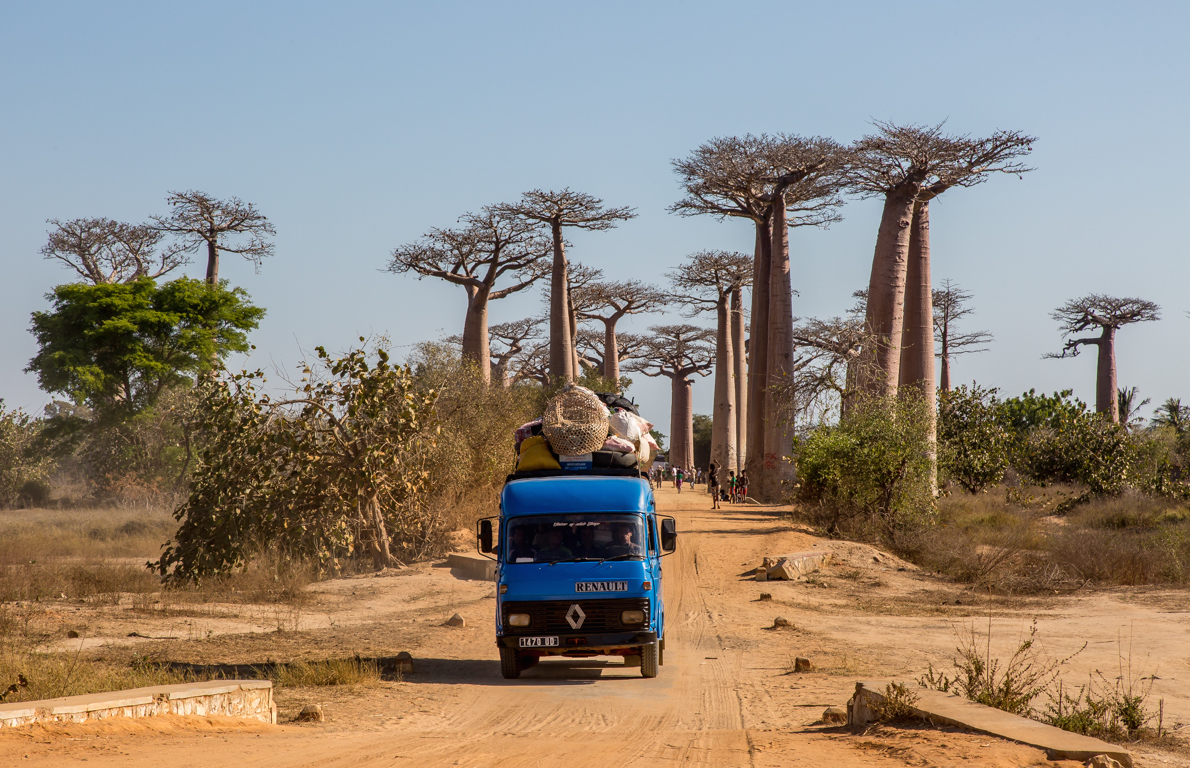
725,697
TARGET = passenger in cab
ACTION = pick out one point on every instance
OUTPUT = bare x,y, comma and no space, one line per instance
554,549
622,543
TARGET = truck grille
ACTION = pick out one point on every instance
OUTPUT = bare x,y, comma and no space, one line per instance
549,616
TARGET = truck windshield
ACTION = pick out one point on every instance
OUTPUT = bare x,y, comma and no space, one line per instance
574,538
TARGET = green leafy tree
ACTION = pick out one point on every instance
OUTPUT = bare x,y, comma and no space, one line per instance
869,475
116,347
974,445
23,468
335,470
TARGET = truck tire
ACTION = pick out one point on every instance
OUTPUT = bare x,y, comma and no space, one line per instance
649,660
510,664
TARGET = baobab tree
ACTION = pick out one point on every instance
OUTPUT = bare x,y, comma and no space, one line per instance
579,277
489,245
558,210
222,226
107,251
811,177
978,159
950,306
736,177
592,349
895,163
508,341
705,283
1108,314
826,352
678,352
609,303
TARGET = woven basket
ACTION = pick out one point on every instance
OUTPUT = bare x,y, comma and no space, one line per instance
575,422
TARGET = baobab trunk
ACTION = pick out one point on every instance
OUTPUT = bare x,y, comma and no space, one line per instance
611,354
886,293
778,429
723,420
476,345
561,341
738,348
681,423
1106,386
944,380
917,349
212,262
758,358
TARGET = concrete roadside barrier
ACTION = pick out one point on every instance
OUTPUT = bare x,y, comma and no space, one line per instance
939,708
251,699
471,567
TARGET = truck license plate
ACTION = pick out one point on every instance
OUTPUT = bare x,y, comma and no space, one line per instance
538,642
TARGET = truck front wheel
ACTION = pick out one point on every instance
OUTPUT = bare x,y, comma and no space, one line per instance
649,660
510,663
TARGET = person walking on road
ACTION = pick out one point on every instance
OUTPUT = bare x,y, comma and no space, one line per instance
713,486
679,475
742,482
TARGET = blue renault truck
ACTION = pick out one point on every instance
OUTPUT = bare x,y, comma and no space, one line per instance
579,571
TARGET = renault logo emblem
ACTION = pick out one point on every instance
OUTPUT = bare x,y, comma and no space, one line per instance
575,616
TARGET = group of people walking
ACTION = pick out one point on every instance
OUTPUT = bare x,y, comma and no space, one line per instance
733,489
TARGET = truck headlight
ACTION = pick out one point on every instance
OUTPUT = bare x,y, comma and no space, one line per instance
522,619
632,617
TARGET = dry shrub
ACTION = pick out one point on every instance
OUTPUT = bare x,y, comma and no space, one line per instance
332,672
474,451
1129,557
1008,685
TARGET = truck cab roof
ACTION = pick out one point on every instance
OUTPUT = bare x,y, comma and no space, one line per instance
571,492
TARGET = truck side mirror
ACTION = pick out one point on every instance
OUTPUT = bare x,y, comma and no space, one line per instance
485,535
669,535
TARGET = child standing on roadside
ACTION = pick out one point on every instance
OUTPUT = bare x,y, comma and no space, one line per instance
713,486
743,485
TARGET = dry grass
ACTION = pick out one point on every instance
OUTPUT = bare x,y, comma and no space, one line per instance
100,554
1008,541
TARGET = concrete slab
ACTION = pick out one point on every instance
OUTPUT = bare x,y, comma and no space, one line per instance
471,567
792,566
232,698
947,709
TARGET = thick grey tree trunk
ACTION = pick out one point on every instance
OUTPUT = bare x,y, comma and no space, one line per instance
738,348
778,432
886,293
723,419
611,352
561,341
758,358
212,263
917,341
1106,385
477,348
681,422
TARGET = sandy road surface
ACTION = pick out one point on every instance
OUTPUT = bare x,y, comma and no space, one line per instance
724,697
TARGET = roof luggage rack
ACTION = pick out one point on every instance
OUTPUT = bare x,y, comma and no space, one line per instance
593,472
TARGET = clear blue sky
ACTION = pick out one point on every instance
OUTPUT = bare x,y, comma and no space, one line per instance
357,126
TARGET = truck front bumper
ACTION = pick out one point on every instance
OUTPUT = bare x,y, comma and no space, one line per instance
587,644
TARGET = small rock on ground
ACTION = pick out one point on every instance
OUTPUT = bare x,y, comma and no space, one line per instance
455,621
802,665
405,663
765,596
1103,761
781,623
834,716
311,713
